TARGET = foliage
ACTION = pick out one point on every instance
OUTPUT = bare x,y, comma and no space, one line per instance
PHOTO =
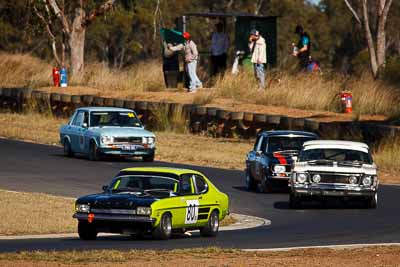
126,34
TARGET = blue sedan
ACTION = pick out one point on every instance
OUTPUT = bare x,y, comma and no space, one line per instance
98,131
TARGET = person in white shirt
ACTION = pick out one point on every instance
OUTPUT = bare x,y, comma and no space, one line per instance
219,49
258,50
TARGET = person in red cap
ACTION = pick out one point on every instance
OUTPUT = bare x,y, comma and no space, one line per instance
191,57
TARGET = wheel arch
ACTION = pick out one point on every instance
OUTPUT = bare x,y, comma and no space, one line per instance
161,214
93,139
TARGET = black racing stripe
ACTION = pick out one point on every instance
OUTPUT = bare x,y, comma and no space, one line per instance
204,210
202,217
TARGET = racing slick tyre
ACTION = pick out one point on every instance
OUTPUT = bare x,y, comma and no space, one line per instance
164,229
94,154
264,186
86,231
372,202
212,227
250,183
148,158
67,149
294,202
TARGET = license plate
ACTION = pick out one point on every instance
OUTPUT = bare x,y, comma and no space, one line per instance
129,147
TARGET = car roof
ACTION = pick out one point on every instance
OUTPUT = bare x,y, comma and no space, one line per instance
105,109
289,133
177,171
340,144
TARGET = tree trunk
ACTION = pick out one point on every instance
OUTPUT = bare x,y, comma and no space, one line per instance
77,43
370,41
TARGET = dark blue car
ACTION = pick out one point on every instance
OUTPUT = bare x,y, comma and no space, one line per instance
269,163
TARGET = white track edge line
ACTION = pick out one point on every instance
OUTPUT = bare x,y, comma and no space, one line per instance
348,246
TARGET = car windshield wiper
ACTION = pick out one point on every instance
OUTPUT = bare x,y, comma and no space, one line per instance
351,162
320,162
128,189
289,151
157,190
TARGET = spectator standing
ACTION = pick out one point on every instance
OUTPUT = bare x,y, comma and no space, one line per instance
191,57
303,48
219,49
258,50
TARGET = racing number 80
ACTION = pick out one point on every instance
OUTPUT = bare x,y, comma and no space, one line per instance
192,209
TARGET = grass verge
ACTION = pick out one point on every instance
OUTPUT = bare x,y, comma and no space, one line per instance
372,256
305,91
37,213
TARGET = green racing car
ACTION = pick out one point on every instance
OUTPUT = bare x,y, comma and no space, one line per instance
153,200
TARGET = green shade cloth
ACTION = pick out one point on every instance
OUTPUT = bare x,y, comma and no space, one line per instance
172,36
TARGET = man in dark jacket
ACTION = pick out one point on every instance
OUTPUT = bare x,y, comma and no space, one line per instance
302,51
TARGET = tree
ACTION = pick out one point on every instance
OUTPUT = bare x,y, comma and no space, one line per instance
72,20
377,46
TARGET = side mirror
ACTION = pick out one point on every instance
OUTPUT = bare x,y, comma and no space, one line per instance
294,158
259,153
85,125
105,188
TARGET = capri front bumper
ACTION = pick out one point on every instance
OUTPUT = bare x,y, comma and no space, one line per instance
114,217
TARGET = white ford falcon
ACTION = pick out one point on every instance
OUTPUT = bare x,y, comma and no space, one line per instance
330,168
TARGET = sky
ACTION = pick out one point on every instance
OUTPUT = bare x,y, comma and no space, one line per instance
314,1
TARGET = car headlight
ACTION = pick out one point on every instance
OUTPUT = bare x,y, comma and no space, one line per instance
151,140
279,169
82,208
367,181
353,180
148,140
301,177
143,210
316,178
106,139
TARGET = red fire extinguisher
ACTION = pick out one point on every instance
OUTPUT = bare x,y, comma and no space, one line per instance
346,99
56,77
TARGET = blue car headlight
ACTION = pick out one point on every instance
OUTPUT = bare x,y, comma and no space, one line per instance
148,140
279,169
105,139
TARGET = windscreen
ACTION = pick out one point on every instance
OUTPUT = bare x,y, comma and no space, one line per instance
337,155
285,143
114,118
144,183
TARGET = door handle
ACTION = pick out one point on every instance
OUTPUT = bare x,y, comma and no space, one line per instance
200,197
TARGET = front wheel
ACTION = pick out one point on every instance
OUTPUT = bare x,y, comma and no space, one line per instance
212,227
67,149
86,231
265,185
164,229
148,158
372,202
250,183
94,154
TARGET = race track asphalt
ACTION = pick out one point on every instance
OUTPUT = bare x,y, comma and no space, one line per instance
39,168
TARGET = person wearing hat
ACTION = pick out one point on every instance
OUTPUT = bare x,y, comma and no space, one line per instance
258,50
191,57
219,49
303,47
